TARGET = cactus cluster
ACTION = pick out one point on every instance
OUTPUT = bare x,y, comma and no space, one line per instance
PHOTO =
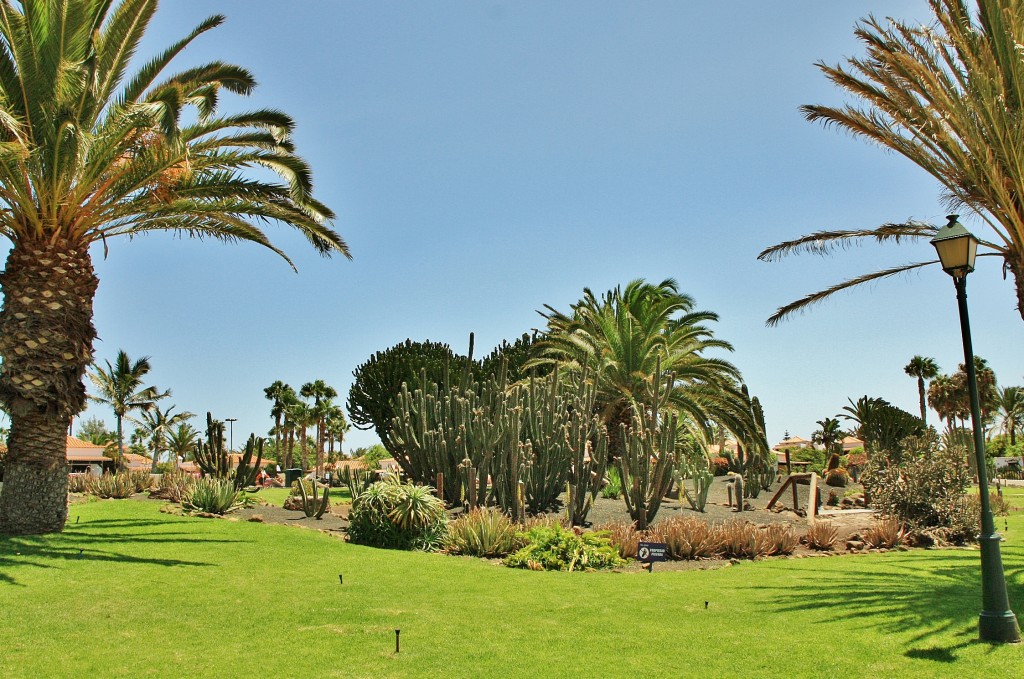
515,447
213,459
754,460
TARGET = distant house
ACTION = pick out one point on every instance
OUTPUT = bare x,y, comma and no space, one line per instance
851,442
718,450
84,456
792,442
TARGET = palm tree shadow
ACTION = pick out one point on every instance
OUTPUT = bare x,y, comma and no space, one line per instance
921,595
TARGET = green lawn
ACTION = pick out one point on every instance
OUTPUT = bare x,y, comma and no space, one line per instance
158,595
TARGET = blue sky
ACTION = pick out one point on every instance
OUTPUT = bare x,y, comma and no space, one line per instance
485,159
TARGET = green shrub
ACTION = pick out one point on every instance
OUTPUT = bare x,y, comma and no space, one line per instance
925,490
212,495
398,516
554,548
815,457
485,532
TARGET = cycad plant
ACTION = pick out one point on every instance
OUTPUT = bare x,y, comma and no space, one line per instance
949,97
89,151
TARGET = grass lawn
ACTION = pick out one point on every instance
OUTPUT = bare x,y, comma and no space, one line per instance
166,596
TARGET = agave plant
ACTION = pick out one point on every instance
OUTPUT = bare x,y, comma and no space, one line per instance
212,495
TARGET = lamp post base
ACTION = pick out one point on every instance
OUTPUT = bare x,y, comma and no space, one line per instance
997,623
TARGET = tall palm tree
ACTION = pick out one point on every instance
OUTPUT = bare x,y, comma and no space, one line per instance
181,441
923,368
625,335
322,395
157,424
279,394
949,97
88,152
335,427
1010,407
302,417
120,386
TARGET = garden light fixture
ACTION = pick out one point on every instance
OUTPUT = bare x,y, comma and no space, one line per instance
957,248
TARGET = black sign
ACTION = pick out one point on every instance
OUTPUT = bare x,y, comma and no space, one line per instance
649,552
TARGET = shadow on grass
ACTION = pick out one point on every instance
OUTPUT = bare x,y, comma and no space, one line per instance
93,541
923,596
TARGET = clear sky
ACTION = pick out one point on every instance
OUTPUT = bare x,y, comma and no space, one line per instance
487,158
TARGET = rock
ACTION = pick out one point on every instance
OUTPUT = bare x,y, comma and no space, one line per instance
859,502
854,545
256,518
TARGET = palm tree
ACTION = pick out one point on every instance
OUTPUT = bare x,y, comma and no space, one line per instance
861,412
830,435
625,335
923,369
948,97
120,386
157,425
1010,406
280,394
302,417
88,152
322,395
335,427
181,441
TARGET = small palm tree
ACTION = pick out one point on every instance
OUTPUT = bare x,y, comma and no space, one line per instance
830,434
90,150
923,369
947,96
157,424
1010,408
120,386
181,441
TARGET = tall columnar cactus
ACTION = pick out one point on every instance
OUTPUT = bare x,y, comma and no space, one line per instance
214,460
247,470
649,458
695,466
754,459
211,456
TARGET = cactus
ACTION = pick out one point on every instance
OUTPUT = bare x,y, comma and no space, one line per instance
215,461
312,505
356,480
649,458
754,460
211,456
697,468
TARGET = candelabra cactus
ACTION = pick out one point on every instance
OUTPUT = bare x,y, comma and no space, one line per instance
313,506
214,460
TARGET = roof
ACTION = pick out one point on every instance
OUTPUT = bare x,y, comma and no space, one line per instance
792,442
84,451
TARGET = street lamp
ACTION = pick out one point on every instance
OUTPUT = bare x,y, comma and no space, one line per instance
231,432
957,248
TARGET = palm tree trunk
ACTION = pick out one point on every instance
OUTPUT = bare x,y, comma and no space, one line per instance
920,393
46,336
1016,265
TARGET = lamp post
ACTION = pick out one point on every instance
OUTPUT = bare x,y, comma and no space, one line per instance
231,432
957,248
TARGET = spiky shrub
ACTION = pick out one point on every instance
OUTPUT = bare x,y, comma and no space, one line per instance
837,478
212,496
109,485
556,548
778,539
356,480
822,536
742,540
484,532
626,539
884,533
613,487
689,538
172,486
398,516
142,480
78,483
